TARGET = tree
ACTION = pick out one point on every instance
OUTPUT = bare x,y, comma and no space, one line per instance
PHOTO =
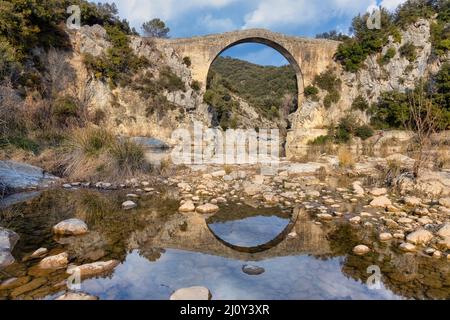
155,28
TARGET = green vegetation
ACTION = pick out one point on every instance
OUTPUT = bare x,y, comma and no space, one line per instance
170,81
196,85
329,82
364,132
263,87
353,51
408,51
187,61
360,103
311,92
320,140
155,28
333,35
390,53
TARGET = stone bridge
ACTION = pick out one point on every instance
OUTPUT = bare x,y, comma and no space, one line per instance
308,57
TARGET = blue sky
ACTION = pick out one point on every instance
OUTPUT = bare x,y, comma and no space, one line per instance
187,18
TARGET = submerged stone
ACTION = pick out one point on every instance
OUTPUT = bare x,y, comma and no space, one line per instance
191,293
252,270
71,227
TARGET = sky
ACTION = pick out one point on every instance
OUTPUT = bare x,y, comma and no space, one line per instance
187,18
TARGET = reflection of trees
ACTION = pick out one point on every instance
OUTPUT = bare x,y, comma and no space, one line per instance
235,212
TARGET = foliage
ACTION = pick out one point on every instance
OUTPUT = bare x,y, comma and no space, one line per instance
170,81
329,82
155,28
408,51
311,91
332,35
196,85
360,103
128,156
364,132
390,53
187,61
320,140
391,110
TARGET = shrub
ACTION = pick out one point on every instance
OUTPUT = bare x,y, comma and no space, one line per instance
196,85
345,158
311,91
187,61
170,81
364,132
360,103
328,81
390,111
65,107
320,140
408,51
129,157
331,98
91,141
390,53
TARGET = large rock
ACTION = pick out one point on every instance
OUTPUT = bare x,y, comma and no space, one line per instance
71,227
8,240
93,269
188,206
420,236
407,247
445,202
444,231
16,176
54,262
382,202
207,208
252,189
192,293
76,296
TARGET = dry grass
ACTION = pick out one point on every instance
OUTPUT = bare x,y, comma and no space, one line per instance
346,158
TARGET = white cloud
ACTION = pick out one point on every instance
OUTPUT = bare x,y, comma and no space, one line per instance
212,24
270,13
391,5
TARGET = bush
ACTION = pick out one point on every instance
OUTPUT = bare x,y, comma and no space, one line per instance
65,107
187,61
328,81
311,91
408,51
129,157
331,98
170,81
390,53
196,85
345,158
390,111
360,103
364,132
320,140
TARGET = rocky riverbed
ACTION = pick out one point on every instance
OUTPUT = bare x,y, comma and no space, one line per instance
162,230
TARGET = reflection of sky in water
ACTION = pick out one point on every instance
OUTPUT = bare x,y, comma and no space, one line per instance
294,277
251,231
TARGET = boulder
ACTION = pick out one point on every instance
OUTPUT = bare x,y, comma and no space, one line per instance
55,262
252,189
407,247
8,240
93,269
445,202
385,236
381,201
207,208
252,270
127,205
378,191
444,231
71,227
188,206
192,293
76,296
412,201
420,236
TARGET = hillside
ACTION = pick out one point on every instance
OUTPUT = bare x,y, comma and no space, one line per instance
267,89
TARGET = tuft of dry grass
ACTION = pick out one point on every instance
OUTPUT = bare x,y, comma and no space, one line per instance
128,156
345,157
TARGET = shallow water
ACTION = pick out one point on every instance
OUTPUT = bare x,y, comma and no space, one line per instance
161,250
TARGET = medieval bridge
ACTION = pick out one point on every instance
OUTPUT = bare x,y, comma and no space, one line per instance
308,57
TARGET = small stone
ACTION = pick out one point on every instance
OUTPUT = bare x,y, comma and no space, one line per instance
405,220
132,195
355,220
412,201
429,250
13,283
378,191
188,206
54,262
149,189
95,268
67,185
71,227
227,178
424,220
252,270
192,293
361,250
420,236
445,202
407,247
385,236
444,231
219,173
365,214
76,296
400,236
207,208
270,198
39,253
325,216
437,254
382,201
127,205
29,286
292,235
358,190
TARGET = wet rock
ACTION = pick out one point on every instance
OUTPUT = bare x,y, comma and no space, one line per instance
420,236
207,208
13,283
192,293
32,285
385,236
188,206
361,250
95,268
381,201
127,205
407,247
54,262
76,296
444,231
252,270
71,227
378,191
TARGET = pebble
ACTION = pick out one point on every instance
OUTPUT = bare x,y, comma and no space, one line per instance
127,205
361,250
252,270
385,236
207,208
191,293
